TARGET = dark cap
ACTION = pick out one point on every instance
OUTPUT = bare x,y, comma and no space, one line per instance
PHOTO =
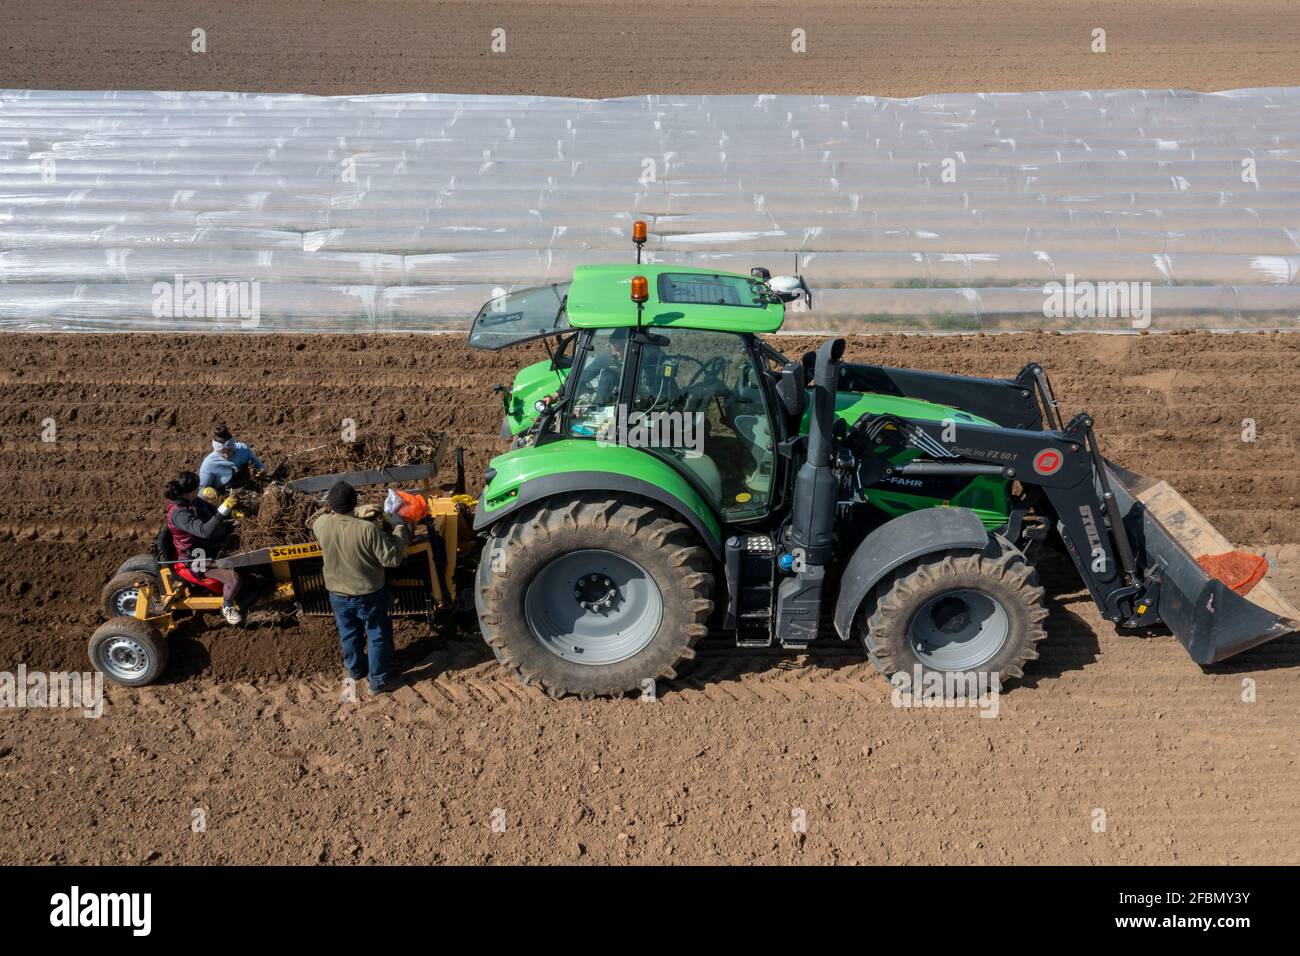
342,497
182,485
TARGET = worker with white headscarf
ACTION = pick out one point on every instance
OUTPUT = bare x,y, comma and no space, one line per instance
229,464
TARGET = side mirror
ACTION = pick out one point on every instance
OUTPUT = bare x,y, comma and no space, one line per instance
759,272
791,288
809,361
791,389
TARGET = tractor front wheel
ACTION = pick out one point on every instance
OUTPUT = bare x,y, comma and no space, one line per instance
959,613
138,562
121,594
593,596
128,652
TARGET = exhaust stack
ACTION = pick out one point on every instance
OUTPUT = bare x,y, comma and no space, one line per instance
816,489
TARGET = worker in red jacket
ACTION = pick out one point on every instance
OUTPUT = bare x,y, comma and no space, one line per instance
197,530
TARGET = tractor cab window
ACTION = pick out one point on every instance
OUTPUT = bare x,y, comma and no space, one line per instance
691,288
595,396
520,317
700,400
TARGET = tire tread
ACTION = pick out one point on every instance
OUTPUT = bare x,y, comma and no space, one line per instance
629,517
883,630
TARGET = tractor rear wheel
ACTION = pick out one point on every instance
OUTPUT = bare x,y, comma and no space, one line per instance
128,652
119,596
957,613
593,596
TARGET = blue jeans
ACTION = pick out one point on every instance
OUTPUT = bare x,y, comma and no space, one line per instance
366,632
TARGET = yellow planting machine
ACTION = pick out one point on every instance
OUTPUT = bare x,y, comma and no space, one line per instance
151,594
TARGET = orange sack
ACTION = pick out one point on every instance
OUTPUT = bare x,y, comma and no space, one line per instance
413,507
1239,570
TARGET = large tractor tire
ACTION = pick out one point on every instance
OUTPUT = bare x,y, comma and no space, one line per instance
128,652
593,596
119,596
958,613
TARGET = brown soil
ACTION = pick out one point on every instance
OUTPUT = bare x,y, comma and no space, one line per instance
598,48
250,724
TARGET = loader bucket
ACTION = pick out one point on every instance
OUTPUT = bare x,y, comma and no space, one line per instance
1210,619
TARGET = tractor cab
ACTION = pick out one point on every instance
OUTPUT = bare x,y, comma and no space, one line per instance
663,359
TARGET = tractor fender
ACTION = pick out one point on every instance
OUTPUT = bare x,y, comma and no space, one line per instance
893,544
571,482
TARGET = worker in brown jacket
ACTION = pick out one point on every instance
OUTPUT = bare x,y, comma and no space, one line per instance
356,553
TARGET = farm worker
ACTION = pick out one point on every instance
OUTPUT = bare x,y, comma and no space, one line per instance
355,553
197,530
229,464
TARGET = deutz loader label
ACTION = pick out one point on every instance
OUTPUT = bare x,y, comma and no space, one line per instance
1094,539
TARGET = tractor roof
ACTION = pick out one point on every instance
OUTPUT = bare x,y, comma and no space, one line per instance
600,298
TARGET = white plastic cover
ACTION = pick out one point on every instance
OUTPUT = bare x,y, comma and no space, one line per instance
1076,210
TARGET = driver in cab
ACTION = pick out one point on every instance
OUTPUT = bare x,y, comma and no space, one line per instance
596,397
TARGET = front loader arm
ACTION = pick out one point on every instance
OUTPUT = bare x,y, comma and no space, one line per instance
1135,542
1012,403
1063,463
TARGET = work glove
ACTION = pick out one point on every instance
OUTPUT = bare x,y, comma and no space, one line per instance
210,495
228,505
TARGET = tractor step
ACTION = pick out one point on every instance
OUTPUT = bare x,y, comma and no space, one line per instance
753,628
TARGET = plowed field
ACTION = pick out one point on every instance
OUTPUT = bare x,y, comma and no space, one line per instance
251,727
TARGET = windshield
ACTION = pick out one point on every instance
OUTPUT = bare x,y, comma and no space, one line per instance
520,317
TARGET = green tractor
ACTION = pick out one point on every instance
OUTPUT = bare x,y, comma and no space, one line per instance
672,474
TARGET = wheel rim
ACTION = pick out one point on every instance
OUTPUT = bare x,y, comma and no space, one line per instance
959,630
122,658
123,602
593,607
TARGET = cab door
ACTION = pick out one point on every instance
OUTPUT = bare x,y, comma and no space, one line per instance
696,397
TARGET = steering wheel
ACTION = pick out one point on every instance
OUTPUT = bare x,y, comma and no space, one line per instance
713,370
707,383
